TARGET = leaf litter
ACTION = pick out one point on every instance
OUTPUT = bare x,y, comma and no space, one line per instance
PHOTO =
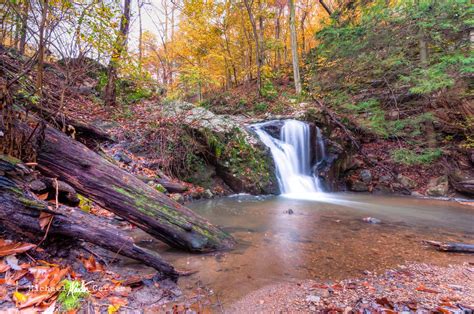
39,282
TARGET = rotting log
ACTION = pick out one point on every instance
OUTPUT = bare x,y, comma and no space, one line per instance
81,130
127,196
452,246
20,212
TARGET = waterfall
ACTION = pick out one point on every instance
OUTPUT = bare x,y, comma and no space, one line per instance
292,156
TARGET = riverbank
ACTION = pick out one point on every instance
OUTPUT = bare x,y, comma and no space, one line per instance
414,287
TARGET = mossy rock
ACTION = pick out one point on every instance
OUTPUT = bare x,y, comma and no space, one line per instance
239,157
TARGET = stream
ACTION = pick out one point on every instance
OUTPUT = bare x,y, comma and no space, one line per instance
325,239
306,233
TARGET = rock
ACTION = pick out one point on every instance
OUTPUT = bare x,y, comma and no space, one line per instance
38,186
353,163
358,186
438,186
177,198
416,194
385,179
207,194
383,188
145,179
120,156
313,298
224,138
462,182
366,176
371,220
406,182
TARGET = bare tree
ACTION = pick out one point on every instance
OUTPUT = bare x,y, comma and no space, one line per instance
24,25
294,48
258,48
41,46
120,45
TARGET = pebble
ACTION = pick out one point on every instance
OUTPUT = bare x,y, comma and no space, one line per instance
313,298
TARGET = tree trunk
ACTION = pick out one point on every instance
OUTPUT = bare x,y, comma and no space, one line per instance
127,196
423,51
294,48
121,43
326,8
277,37
258,53
302,26
20,212
140,36
41,46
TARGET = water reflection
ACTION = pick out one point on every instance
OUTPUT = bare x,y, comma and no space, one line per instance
324,238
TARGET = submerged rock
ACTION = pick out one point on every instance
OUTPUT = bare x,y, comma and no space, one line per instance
372,220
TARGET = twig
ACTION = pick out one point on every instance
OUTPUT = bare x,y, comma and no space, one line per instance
57,192
117,253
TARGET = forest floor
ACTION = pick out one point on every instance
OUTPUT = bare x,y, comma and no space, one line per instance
414,287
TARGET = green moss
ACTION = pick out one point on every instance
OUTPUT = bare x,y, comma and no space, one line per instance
409,157
72,294
160,188
10,159
85,204
241,158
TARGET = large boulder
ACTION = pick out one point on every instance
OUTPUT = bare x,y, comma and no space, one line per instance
438,187
240,159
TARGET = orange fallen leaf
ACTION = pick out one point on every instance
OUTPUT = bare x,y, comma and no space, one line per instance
48,284
3,292
44,220
12,278
9,247
43,197
422,288
117,301
92,265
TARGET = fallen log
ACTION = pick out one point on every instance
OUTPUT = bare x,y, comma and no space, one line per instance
81,130
452,246
126,196
20,212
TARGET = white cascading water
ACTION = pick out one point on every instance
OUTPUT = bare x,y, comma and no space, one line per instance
292,156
